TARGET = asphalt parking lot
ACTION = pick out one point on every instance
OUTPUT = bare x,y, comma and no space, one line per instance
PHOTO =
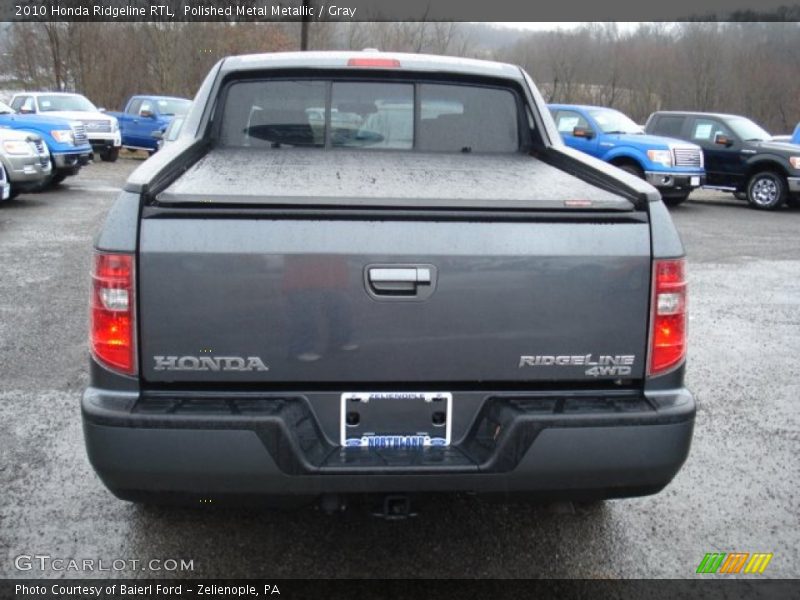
737,492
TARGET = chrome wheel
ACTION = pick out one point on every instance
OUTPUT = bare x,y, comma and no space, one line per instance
766,190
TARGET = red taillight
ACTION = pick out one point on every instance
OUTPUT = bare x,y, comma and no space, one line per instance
111,315
668,333
386,63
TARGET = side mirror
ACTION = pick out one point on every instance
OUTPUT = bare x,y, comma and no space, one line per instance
583,132
101,109
723,140
26,111
146,114
158,134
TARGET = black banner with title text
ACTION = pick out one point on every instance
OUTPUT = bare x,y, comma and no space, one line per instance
391,10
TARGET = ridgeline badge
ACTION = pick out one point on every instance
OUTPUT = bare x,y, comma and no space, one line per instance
607,365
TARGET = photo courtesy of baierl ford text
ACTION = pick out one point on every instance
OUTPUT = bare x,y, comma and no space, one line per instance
420,299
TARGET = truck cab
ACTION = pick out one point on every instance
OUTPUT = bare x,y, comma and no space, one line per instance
674,167
144,115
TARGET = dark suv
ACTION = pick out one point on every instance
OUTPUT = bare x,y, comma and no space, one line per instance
739,156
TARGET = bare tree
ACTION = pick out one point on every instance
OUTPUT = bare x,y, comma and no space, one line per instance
745,68
357,35
699,45
58,45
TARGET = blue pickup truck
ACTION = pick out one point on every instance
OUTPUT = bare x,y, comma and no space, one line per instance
145,114
66,140
673,166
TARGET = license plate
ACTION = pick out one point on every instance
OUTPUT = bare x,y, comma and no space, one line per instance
695,181
395,419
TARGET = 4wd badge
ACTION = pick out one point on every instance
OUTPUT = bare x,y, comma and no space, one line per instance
604,365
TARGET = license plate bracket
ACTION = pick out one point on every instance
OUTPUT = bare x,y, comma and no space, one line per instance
395,419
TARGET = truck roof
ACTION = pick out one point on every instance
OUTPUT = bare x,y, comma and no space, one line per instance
158,96
697,113
48,94
580,106
339,59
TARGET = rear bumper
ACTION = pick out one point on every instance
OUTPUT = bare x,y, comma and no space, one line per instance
267,445
665,180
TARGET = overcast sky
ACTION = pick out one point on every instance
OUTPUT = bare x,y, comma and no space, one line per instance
550,26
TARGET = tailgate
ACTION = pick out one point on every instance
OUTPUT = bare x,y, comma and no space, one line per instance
392,301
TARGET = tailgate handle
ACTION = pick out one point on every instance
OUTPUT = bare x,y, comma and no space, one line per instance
400,275
399,281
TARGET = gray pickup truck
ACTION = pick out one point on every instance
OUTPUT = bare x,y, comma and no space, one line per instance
383,273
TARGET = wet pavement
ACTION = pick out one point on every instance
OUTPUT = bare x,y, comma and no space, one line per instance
737,492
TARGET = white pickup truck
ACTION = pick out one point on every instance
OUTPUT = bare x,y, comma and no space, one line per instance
102,130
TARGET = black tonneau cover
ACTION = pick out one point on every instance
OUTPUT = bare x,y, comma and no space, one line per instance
383,178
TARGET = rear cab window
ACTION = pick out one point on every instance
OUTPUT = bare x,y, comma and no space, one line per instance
370,115
669,126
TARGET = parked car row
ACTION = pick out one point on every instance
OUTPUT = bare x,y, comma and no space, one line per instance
679,151
674,167
46,137
675,151
101,130
59,142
